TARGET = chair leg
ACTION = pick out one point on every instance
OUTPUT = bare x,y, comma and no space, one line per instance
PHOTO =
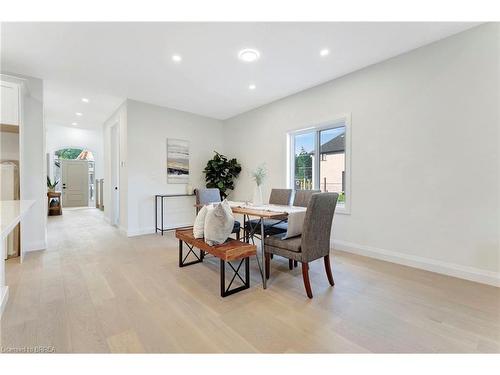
305,276
328,270
268,265
272,256
238,235
295,263
290,264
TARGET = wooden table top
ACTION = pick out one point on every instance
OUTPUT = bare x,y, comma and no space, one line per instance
260,213
253,212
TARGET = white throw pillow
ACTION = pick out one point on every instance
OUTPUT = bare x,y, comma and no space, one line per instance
199,221
219,224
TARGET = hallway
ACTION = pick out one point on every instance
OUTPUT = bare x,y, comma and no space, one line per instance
95,290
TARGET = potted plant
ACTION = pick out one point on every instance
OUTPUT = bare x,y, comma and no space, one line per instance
221,172
51,186
258,175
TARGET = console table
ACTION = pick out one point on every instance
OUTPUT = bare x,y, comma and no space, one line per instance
161,197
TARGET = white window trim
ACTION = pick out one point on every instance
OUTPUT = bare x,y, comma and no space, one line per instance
341,120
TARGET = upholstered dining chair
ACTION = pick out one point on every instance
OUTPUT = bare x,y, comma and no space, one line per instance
302,197
212,195
312,244
280,196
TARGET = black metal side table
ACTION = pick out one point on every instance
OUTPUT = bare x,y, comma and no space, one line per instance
161,197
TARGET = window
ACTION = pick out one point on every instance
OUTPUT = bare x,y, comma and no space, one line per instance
319,160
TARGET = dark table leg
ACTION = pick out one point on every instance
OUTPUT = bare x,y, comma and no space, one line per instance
162,216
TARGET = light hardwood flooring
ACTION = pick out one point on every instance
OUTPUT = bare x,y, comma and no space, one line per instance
94,290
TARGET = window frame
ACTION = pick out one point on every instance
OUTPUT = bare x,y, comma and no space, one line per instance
337,122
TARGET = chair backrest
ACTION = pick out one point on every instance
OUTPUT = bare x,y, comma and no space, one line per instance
302,197
318,225
280,196
206,196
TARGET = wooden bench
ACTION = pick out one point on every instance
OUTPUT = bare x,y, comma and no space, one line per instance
231,250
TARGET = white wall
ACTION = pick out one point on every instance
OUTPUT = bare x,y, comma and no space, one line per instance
418,121
148,128
63,136
33,168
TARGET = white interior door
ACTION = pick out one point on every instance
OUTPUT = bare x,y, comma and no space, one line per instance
75,183
115,175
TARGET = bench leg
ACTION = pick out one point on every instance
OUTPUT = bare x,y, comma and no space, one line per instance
224,292
182,258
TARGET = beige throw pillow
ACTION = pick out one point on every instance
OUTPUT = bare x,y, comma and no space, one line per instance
219,224
199,222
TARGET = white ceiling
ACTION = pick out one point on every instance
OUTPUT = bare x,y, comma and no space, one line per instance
107,62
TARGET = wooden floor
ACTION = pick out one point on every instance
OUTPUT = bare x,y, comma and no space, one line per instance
94,290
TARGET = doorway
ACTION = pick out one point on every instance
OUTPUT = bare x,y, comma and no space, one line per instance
115,175
75,183
55,165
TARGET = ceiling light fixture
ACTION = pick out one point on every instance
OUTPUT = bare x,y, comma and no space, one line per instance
85,100
79,114
324,52
74,123
251,86
176,58
248,55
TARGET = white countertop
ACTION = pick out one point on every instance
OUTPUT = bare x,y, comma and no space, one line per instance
11,213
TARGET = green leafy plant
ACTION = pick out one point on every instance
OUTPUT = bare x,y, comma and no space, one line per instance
221,172
51,185
259,174
68,153
341,198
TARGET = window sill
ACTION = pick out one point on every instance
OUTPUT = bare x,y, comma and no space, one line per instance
341,209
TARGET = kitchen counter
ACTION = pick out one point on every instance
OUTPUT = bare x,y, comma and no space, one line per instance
11,213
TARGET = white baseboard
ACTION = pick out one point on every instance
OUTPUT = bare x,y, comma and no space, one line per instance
4,296
144,231
140,232
34,246
437,266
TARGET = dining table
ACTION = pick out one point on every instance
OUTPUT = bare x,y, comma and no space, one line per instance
261,212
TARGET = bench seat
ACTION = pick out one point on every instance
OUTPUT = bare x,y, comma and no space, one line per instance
231,250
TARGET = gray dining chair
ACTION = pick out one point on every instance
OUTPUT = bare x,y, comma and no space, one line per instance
302,197
312,244
212,195
280,196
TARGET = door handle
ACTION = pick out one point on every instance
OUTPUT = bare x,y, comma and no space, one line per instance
116,187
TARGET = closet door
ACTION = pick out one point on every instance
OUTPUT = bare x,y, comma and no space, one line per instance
9,96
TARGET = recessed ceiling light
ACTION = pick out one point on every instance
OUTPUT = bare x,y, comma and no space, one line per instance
85,100
79,114
324,52
74,123
176,58
248,55
251,86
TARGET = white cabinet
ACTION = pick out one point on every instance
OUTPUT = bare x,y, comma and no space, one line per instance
10,103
